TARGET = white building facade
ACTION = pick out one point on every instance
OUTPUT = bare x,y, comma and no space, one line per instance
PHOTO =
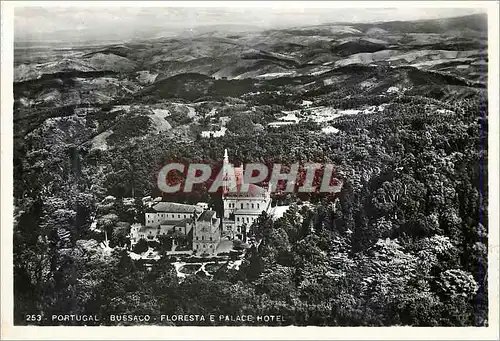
241,206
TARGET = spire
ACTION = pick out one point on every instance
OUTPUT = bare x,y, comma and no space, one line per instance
225,169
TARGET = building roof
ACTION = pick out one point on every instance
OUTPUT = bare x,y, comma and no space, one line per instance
146,228
184,222
175,222
173,207
207,216
253,191
168,222
280,123
289,117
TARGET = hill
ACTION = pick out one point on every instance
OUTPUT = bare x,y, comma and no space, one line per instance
399,109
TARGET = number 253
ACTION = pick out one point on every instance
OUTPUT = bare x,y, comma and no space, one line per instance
33,318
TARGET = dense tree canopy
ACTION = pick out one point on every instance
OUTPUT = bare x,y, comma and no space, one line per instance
403,243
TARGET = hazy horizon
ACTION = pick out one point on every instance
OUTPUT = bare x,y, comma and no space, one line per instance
98,24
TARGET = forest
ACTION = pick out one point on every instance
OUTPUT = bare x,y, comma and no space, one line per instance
398,108
404,243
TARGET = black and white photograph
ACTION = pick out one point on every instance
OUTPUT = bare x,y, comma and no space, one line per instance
266,165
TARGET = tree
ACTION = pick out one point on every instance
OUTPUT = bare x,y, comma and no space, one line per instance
141,246
165,244
458,288
241,124
277,283
153,244
455,283
120,234
238,244
391,286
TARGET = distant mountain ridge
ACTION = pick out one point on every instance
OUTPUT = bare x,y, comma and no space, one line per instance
212,63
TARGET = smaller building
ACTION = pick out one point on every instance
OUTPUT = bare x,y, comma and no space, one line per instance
169,211
224,120
202,205
289,119
194,222
164,218
329,130
277,124
206,233
170,226
214,133
306,104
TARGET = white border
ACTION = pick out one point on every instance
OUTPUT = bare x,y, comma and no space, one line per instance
8,331
261,4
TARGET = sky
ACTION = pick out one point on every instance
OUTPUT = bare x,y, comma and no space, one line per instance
124,23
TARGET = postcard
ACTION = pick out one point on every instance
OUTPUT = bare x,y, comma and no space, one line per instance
253,170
